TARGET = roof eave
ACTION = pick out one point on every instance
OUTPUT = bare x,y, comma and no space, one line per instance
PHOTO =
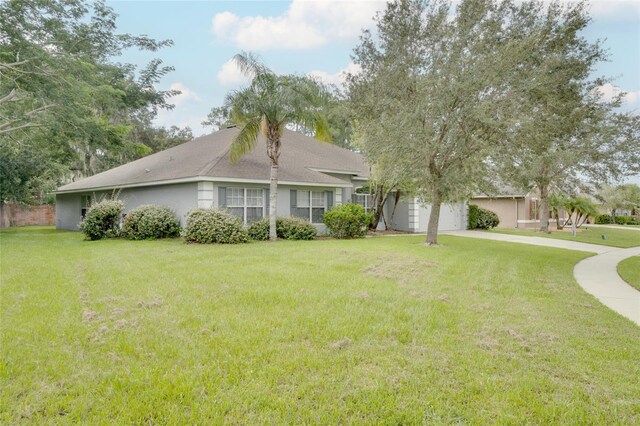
199,179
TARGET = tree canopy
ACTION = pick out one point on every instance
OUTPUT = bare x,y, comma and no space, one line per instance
63,96
428,94
561,130
457,96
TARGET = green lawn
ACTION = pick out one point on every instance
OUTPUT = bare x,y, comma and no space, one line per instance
612,236
629,270
369,331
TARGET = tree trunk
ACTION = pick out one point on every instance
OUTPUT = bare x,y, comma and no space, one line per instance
273,202
395,204
544,209
434,219
380,199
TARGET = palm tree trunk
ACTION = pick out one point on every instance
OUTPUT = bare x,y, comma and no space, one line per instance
434,219
273,202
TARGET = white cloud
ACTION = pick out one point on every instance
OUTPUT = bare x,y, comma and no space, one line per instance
630,100
185,96
230,74
304,25
338,78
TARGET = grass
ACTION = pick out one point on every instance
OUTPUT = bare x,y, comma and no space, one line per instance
629,270
613,236
378,330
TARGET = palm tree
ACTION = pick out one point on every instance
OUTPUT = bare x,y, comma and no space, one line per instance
267,106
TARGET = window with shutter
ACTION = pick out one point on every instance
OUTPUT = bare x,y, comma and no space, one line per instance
246,203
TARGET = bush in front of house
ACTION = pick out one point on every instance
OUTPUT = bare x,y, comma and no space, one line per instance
259,230
473,216
208,226
603,219
150,222
480,218
287,228
347,221
102,220
295,228
487,219
626,220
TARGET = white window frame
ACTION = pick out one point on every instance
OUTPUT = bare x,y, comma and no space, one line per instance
310,206
244,201
367,201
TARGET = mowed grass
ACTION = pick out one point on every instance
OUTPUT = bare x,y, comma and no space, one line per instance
369,331
613,237
629,270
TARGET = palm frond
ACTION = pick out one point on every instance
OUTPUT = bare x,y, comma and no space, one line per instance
250,64
245,141
322,129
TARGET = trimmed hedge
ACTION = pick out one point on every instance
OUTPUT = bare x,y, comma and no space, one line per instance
473,216
603,219
287,228
102,220
626,220
480,218
150,222
347,221
208,226
487,219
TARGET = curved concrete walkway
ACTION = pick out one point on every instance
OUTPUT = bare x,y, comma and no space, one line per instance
597,275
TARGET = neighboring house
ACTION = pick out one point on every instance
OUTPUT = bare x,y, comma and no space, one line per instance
515,209
313,177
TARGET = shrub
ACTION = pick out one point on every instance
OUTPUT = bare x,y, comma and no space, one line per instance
487,219
473,216
214,226
626,220
259,230
347,221
288,228
150,222
102,220
603,219
480,218
295,228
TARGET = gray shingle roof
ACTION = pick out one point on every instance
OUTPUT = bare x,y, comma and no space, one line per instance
301,160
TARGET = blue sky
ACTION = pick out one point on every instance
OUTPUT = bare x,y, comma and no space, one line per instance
309,37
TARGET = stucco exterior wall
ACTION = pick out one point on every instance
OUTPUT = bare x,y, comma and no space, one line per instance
68,211
179,197
509,210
